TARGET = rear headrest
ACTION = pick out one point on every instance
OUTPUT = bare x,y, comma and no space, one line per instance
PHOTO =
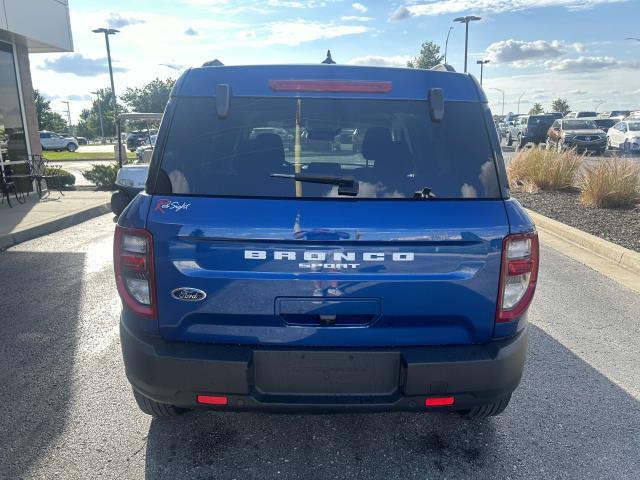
375,142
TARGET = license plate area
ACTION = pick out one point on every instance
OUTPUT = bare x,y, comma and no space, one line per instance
326,373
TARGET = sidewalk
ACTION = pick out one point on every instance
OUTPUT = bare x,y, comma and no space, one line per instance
54,212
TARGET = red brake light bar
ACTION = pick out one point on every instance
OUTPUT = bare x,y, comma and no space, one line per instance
343,86
439,401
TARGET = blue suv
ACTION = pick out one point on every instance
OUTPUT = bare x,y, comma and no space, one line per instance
392,273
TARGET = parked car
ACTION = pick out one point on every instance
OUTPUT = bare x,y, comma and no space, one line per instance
82,141
137,138
581,114
578,133
250,279
603,124
130,181
625,135
615,114
530,129
555,115
53,141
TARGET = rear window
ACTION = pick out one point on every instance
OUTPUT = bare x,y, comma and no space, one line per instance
391,148
543,120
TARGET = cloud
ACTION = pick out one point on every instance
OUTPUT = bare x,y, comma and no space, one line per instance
296,32
439,7
79,65
522,54
355,18
588,64
381,61
116,20
78,98
191,32
360,7
401,13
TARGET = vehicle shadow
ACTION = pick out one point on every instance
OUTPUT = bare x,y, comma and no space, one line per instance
565,421
39,308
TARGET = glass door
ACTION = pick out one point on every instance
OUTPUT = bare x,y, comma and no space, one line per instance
13,142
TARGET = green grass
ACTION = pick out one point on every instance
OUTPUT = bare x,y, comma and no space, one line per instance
75,156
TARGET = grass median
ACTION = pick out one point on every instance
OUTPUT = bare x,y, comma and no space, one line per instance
79,156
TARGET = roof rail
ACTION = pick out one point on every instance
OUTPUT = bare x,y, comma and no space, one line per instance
443,67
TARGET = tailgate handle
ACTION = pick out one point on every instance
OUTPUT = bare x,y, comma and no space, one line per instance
327,311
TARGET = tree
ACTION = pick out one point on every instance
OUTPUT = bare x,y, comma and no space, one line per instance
89,123
151,98
536,109
47,118
428,57
561,105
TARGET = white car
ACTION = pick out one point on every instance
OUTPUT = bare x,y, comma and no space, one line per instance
625,135
53,141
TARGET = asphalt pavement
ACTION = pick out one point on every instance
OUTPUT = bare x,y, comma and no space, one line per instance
68,411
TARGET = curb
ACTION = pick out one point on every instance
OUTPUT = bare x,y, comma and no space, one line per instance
9,240
610,251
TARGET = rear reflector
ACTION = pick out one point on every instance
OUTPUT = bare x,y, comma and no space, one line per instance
329,86
439,401
212,400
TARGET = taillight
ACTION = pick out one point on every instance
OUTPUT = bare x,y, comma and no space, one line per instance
518,275
133,265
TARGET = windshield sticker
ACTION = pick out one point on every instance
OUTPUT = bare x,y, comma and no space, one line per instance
166,204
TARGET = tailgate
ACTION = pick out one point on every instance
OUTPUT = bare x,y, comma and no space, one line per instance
328,272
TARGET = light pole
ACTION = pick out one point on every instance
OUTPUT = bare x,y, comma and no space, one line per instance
68,116
482,63
446,45
501,91
97,94
520,98
466,20
107,32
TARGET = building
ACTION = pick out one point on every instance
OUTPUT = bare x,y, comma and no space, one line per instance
26,26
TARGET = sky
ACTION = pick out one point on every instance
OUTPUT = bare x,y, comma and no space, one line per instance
538,50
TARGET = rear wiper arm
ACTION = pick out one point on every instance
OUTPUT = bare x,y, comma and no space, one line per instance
346,185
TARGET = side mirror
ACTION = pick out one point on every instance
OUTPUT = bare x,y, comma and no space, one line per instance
436,104
223,100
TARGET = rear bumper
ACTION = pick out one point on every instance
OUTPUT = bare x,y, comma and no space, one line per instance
175,373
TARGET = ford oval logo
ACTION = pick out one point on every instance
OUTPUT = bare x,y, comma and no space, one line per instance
187,294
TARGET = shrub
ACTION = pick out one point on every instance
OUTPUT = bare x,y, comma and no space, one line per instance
61,180
611,183
538,169
103,176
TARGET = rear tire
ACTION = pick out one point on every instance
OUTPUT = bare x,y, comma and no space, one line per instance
156,409
488,410
71,147
509,140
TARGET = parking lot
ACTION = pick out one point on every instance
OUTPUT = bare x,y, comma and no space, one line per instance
70,413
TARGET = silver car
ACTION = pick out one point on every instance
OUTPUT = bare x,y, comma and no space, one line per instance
53,141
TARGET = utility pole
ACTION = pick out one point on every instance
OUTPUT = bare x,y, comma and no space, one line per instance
466,20
107,32
68,117
520,98
446,45
482,63
501,91
97,94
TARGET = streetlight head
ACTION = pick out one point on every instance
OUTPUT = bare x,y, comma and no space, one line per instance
467,19
108,31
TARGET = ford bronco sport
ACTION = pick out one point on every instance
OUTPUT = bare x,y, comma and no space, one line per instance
394,274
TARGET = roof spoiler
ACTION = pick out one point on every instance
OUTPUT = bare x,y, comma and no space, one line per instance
443,67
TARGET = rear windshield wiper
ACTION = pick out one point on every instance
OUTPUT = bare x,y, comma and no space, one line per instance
346,185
